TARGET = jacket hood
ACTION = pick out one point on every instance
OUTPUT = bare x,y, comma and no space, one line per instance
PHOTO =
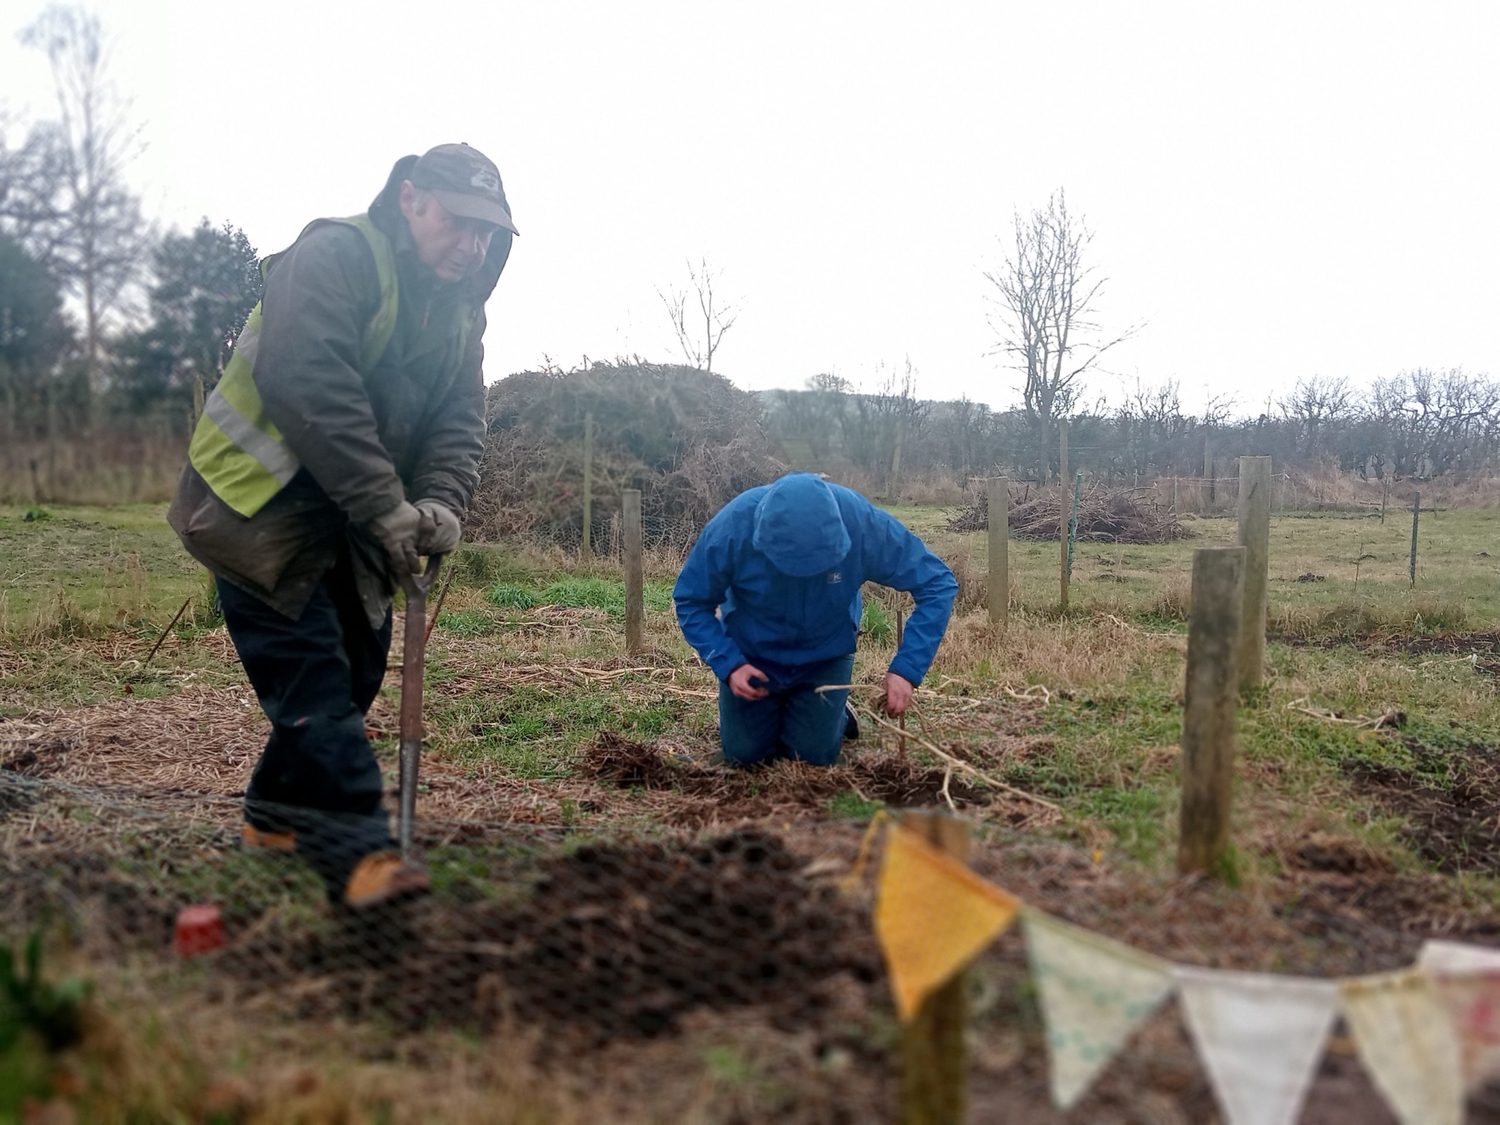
385,212
798,526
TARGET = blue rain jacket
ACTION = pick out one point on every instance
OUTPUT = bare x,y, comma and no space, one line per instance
736,606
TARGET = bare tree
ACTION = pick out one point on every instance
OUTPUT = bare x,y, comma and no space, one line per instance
100,238
1044,314
1315,404
717,318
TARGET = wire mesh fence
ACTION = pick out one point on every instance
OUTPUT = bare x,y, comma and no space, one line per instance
727,953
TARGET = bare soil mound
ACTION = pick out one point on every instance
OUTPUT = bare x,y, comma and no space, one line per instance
1450,799
882,777
609,941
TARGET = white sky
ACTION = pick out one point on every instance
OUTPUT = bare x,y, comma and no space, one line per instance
1277,189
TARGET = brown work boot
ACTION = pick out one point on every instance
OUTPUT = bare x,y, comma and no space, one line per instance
261,839
381,878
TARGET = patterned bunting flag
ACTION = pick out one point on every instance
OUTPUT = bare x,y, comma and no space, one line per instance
1406,1045
1259,1036
1466,981
932,917
1094,993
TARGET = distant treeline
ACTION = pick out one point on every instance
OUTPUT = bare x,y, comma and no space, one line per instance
1413,425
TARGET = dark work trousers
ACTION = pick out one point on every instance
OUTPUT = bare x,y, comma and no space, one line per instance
794,721
315,678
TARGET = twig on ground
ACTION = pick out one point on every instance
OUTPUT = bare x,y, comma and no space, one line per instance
1390,719
958,763
175,618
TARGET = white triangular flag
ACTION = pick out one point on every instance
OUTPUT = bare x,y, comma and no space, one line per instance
1406,1044
1455,957
1259,1036
1094,993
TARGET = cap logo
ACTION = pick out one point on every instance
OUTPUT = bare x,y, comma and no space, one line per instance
486,181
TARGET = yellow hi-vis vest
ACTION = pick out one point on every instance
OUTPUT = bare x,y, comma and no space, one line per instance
237,450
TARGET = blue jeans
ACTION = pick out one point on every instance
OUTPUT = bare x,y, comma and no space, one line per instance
794,721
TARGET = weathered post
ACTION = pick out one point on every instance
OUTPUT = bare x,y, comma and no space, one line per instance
1206,485
893,482
1208,742
1255,537
1416,511
934,1060
998,496
587,551
635,592
1062,511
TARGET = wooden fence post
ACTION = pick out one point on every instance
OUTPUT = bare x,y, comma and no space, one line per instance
999,529
1255,537
1062,511
934,1062
1206,485
1208,742
1416,511
587,551
635,592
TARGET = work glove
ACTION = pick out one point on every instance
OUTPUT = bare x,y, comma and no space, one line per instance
397,531
440,530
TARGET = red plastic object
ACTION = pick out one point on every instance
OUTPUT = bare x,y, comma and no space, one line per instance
200,929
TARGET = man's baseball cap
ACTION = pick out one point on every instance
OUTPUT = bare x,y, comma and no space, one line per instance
466,182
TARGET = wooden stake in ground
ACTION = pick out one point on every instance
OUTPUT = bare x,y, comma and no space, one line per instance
1206,485
587,551
1255,537
934,1059
998,497
901,639
635,591
1208,742
1062,510
1416,511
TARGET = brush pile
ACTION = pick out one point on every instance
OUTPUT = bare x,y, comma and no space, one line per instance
1105,515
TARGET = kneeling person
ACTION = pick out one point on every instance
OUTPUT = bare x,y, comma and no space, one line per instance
769,597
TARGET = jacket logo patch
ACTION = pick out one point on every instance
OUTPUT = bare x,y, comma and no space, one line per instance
834,577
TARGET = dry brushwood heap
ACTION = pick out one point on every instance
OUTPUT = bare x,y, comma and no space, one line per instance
1105,515
687,439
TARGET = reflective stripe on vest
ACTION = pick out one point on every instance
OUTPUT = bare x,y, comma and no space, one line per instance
237,450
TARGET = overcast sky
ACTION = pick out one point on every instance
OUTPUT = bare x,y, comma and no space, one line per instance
1277,189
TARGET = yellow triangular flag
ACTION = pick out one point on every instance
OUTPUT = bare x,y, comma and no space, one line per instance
932,917
1407,1045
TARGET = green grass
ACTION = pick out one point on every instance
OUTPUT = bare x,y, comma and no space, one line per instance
875,622
1458,564
87,591
86,570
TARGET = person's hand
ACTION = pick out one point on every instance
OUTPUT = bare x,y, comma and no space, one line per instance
748,682
440,530
898,691
397,531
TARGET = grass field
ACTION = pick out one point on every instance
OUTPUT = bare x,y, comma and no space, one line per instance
1367,814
